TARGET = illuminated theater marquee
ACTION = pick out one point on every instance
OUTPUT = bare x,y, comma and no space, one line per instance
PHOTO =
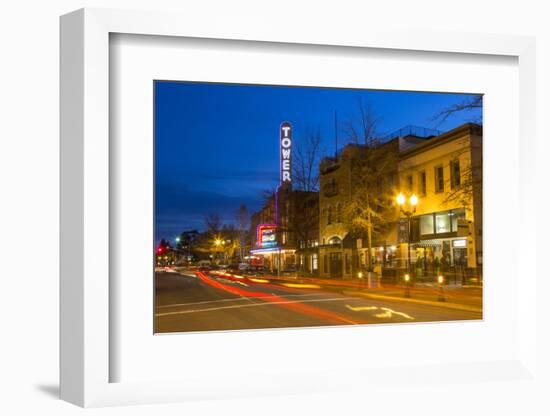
266,235
286,152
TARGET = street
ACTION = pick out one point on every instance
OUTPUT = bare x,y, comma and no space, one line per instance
191,300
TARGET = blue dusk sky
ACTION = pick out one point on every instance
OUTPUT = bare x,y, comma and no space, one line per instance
217,145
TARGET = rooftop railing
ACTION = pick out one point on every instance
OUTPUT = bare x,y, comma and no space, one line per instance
415,131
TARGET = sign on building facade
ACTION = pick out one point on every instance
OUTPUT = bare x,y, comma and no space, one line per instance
266,235
286,152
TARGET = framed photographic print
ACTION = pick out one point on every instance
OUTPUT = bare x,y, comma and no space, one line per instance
269,199
286,213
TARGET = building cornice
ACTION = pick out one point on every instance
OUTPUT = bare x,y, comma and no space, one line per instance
454,134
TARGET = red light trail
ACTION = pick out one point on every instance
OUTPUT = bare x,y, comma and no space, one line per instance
278,300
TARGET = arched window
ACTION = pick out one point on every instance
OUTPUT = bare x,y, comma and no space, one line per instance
330,215
339,212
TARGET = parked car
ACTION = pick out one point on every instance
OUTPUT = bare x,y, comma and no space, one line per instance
290,269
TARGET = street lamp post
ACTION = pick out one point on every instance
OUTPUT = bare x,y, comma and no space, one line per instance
176,250
217,243
441,295
407,285
408,208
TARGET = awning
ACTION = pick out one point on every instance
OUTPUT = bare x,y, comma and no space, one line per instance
428,244
273,250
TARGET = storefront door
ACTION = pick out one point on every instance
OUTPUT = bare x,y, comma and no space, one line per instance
336,265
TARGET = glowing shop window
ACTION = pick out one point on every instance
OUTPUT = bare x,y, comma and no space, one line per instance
443,223
426,224
315,262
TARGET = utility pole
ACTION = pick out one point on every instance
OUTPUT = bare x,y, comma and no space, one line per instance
335,133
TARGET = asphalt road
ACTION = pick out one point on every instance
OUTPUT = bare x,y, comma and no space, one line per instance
190,301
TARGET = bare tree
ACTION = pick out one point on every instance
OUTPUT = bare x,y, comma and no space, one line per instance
473,103
369,210
363,128
307,155
213,223
471,176
369,205
462,192
243,224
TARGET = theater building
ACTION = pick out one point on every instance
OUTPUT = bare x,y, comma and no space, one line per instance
285,232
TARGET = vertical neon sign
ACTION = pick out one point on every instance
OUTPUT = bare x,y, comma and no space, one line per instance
286,152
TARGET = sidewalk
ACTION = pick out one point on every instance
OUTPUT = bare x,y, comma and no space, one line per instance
469,298
461,299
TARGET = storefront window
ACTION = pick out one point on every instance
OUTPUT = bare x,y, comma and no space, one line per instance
457,215
426,224
314,262
443,223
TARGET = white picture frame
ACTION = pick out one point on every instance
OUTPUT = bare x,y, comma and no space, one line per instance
85,211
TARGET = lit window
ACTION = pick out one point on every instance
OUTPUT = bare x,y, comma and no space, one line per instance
426,224
443,222
314,262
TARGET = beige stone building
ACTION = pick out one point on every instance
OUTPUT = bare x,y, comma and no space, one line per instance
341,252
445,172
335,189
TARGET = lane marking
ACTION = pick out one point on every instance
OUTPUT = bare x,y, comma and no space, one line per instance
258,280
231,282
388,313
361,308
301,286
254,305
240,298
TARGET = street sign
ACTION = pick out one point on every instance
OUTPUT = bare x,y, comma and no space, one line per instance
403,231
